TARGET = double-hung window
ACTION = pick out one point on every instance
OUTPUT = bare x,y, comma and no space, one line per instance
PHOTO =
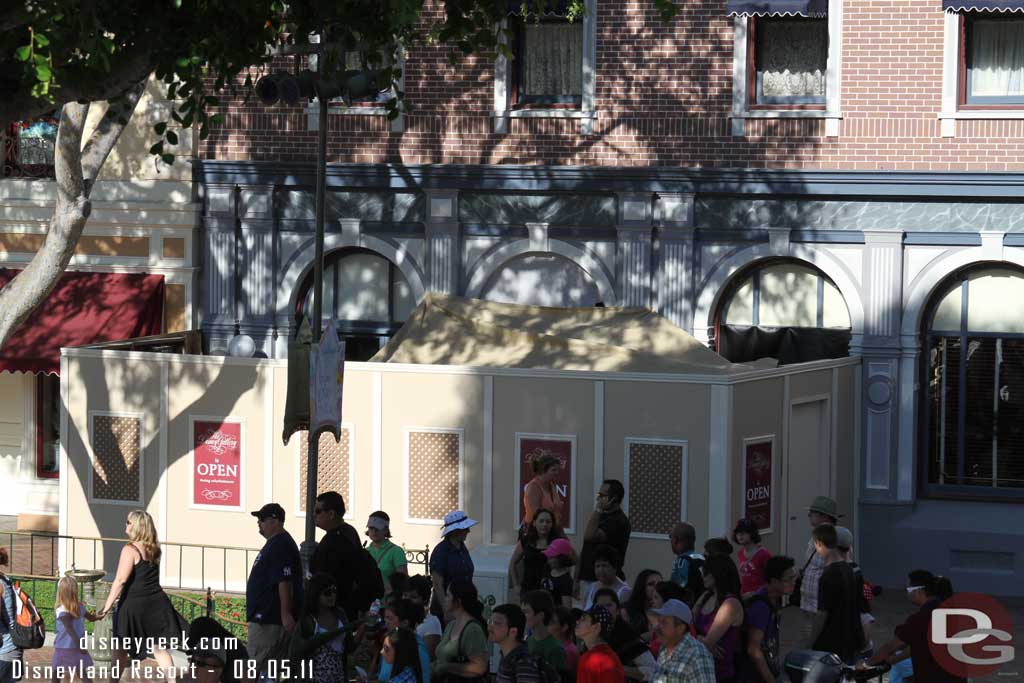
786,60
549,68
548,64
983,62
992,59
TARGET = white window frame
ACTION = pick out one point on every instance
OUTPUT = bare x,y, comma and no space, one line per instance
684,494
833,78
950,113
138,502
586,114
406,478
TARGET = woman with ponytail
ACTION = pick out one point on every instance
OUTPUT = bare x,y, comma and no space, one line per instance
462,652
926,591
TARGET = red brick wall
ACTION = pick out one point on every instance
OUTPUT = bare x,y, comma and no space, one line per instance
663,97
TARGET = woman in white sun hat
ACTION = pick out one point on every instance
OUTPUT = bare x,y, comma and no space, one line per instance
450,560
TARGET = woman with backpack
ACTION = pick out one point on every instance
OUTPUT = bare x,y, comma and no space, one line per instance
463,651
718,615
9,652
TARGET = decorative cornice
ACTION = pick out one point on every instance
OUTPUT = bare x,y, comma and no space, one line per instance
604,179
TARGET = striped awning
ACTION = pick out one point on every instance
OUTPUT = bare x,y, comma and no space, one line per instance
983,5
777,8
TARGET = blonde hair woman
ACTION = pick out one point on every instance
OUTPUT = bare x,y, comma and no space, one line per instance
144,612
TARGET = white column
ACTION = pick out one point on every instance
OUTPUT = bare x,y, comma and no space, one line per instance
442,232
634,242
883,407
673,219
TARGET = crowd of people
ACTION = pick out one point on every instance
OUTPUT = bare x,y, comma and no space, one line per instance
714,619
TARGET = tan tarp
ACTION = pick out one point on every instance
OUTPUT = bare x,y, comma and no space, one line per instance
449,330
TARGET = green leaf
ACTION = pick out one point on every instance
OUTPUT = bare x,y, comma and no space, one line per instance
160,127
158,148
172,137
217,119
23,53
167,159
203,132
41,40
181,62
43,73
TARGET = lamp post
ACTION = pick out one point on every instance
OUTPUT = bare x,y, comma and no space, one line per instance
291,89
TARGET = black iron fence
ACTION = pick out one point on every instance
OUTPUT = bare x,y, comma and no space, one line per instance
35,557
184,566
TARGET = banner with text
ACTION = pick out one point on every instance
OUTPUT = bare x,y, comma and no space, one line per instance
757,483
217,464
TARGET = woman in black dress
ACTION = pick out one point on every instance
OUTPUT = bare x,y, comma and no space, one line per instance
143,611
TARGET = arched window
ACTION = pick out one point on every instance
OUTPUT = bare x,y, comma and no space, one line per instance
367,297
542,280
784,310
973,414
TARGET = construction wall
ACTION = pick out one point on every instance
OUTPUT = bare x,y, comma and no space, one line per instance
417,441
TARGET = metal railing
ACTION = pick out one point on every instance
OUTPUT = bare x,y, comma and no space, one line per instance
42,550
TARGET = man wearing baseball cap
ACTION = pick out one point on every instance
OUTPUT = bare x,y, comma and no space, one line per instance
273,593
822,510
599,664
683,658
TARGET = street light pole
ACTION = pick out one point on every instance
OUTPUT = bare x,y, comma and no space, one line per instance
313,444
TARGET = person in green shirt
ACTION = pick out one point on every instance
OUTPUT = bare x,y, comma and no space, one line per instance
389,557
540,609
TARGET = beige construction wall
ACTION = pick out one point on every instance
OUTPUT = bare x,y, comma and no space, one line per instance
383,406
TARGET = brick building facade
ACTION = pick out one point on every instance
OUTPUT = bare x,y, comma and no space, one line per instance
684,167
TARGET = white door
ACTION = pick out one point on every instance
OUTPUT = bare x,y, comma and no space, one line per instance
809,455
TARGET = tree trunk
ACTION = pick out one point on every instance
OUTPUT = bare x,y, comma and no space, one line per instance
76,171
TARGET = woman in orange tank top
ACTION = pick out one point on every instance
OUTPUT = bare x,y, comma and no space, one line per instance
541,491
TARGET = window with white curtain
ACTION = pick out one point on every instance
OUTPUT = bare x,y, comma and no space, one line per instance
549,60
792,60
994,57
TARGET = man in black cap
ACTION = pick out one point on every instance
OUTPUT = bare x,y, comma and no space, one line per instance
273,593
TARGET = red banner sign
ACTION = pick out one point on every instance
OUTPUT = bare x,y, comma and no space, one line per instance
217,464
530,448
757,484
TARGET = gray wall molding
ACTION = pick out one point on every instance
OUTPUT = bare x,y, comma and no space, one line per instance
870,184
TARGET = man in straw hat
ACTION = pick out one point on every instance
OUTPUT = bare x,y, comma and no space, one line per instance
822,510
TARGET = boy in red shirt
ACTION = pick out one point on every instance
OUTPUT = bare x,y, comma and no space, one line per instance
599,664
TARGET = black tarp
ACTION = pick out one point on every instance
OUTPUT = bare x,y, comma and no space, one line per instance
786,344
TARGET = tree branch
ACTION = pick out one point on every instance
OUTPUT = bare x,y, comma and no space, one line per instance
32,285
107,133
131,67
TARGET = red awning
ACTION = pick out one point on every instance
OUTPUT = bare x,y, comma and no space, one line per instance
84,308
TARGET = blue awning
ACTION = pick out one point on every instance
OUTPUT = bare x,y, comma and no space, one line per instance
777,8
548,8
983,5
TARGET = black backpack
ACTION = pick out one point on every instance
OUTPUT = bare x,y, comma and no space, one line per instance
368,584
743,661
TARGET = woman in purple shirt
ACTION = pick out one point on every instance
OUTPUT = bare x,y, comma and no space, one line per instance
718,615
